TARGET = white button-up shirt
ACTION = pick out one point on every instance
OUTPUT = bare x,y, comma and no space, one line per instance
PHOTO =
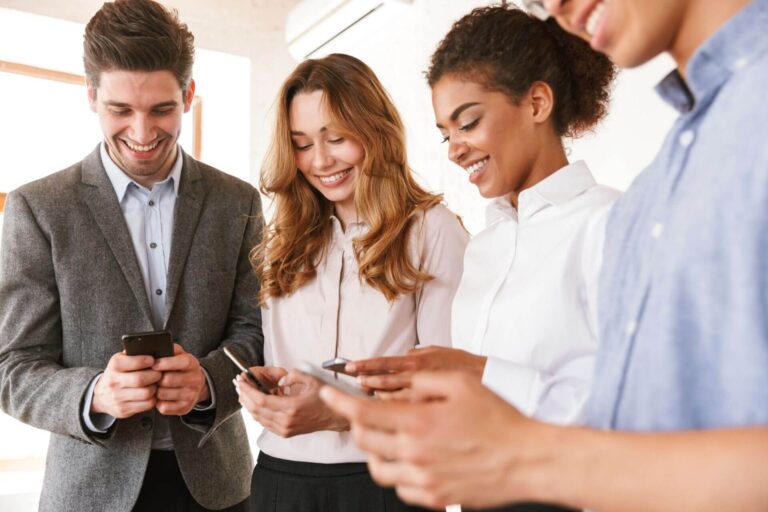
527,299
337,314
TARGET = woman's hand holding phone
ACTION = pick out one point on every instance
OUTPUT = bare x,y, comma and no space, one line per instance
298,410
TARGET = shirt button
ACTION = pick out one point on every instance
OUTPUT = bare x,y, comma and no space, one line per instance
151,203
630,328
740,63
146,423
153,245
686,138
657,230
159,291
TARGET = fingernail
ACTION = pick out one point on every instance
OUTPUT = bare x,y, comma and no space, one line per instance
282,381
350,367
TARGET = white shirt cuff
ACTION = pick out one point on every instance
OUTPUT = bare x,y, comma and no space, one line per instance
98,423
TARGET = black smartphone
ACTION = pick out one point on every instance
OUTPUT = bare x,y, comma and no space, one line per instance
327,378
153,343
244,369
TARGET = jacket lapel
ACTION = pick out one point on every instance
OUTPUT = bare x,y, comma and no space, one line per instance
189,205
99,194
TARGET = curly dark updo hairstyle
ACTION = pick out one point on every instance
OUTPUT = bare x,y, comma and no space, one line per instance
507,50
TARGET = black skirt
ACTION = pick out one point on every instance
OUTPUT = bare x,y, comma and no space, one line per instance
287,486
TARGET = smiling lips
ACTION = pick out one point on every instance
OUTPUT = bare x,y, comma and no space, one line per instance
141,148
334,178
472,169
594,18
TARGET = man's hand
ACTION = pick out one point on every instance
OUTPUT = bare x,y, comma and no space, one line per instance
391,376
453,442
127,386
183,383
298,411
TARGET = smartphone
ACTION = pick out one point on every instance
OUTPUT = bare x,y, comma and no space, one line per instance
337,364
244,369
327,378
153,343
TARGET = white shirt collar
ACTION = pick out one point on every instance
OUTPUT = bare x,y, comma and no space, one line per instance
554,190
121,181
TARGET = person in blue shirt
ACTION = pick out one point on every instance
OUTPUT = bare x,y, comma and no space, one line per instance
680,403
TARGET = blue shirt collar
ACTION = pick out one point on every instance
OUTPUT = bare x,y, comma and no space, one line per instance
121,181
740,41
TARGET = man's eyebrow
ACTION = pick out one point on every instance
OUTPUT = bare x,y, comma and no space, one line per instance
127,105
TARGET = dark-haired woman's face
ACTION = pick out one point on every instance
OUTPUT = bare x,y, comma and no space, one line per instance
490,137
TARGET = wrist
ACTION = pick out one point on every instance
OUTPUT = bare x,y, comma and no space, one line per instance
205,394
552,463
478,366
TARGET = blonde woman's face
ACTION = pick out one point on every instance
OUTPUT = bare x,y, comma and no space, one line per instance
328,160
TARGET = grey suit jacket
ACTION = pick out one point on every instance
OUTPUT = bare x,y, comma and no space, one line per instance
70,286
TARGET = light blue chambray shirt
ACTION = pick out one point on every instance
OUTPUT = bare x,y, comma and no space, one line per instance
683,303
149,217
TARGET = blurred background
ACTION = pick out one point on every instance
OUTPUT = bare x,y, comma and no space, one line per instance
245,48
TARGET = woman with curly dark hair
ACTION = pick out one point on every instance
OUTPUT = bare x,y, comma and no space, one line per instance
507,88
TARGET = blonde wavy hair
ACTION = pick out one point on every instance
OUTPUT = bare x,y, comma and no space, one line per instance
387,197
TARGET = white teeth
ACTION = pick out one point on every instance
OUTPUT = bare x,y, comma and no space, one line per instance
594,18
334,177
472,169
136,147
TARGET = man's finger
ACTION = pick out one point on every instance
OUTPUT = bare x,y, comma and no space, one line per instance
380,365
387,416
388,382
124,363
178,363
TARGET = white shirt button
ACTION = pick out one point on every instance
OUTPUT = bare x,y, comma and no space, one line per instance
657,230
686,138
740,63
631,327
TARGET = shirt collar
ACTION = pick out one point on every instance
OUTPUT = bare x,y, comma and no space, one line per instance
121,181
740,41
554,190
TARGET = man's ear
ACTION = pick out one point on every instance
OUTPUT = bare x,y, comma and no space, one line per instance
189,95
542,101
91,96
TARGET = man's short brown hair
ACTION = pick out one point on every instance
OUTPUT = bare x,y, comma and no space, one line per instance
138,35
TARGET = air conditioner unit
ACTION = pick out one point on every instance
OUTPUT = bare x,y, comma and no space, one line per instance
313,26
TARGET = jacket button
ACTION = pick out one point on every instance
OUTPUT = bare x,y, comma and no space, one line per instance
146,423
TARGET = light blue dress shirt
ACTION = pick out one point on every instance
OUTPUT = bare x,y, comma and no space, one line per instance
683,303
149,217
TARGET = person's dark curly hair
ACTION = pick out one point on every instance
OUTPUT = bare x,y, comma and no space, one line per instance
507,50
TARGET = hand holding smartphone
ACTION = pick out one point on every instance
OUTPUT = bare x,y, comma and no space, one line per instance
249,375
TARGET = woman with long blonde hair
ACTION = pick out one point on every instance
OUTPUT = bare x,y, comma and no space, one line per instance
358,261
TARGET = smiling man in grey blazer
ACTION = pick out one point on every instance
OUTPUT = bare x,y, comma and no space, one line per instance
136,237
